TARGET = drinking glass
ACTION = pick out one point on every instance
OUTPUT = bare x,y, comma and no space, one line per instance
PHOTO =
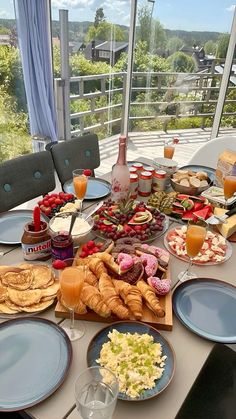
72,278
169,149
96,391
195,237
229,187
80,181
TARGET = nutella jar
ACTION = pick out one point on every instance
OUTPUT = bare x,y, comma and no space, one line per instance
145,183
36,245
62,246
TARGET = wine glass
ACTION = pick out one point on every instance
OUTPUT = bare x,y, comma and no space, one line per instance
96,391
72,278
80,181
195,237
229,187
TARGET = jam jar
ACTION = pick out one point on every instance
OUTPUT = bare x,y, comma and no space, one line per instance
36,245
62,246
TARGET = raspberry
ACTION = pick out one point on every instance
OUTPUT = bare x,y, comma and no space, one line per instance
87,172
59,264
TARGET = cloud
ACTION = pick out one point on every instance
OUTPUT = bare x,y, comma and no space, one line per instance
4,14
231,8
71,4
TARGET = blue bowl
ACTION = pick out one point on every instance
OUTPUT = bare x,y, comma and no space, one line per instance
101,337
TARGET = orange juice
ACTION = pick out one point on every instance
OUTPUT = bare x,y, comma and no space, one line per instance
80,186
71,283
194,239
169,151
229,186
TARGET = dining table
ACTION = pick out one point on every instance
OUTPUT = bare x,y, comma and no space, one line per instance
191,350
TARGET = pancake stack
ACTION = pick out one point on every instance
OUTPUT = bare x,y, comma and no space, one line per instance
26,288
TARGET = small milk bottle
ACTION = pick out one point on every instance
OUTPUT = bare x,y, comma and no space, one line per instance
120,178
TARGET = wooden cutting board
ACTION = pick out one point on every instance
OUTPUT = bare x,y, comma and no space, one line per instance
164,323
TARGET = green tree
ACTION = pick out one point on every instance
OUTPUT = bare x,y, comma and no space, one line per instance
159,36
223,43
210,47
99,17
105,32
174,44
4,31
150,30
182,63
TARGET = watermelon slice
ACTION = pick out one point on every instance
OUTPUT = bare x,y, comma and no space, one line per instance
181,197
202,213
188,215
198,206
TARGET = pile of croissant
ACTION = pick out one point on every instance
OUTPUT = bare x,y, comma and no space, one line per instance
108,296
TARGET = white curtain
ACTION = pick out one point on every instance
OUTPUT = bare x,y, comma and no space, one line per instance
35,46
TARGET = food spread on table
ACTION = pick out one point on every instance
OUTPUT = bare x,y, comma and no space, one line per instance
181,206
136,360
127,218
27,288
213,250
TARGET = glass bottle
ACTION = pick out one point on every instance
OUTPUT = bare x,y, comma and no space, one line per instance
120,178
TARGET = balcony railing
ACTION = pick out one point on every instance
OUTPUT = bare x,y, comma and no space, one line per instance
97,101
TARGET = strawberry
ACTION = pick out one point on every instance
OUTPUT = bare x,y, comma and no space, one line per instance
83,254
58,264
90,244
87,172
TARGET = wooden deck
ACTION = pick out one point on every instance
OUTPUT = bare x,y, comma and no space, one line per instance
150,145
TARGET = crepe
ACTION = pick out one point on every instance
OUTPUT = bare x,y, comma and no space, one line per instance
18,280
38,306
24,298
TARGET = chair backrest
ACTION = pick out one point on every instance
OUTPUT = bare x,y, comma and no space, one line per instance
78,153
24,178
208,153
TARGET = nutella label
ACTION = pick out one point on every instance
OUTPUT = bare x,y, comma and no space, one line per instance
36,251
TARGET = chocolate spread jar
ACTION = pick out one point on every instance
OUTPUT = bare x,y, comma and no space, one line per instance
36,245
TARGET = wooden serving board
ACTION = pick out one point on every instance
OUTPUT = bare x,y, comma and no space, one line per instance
164,323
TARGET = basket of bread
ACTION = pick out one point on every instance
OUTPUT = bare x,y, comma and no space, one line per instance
128,280
190,182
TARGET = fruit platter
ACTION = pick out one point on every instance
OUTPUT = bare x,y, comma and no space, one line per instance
54,203
129,218
181,206
216,249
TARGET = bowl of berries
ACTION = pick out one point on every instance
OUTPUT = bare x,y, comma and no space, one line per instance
114,220
54,203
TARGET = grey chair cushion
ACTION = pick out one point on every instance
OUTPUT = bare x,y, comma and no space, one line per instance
78,153
25,178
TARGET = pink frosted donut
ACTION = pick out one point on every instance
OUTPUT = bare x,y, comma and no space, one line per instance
125,261
150,263
160,286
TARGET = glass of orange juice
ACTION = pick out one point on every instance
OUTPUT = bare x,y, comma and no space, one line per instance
229,187
195,237
72,279
169,147
80,182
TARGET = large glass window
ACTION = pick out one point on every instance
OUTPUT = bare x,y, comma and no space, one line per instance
14,129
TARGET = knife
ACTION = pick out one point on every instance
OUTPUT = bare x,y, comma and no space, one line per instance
221,219
99,205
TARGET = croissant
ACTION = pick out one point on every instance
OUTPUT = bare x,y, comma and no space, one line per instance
111,297
93,299
96,266
109,261
151,299
131,295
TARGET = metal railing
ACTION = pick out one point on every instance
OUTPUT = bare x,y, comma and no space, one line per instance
97,101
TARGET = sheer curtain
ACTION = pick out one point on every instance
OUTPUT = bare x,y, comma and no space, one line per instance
35,46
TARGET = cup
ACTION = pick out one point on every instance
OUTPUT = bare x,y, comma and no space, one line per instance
96,391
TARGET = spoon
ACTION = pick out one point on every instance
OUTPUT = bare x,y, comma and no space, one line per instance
72,221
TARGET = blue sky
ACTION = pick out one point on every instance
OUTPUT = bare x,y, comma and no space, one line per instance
200,15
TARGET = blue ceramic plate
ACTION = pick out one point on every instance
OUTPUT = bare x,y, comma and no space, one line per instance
12,225
35,356
97,188
101,337
208,308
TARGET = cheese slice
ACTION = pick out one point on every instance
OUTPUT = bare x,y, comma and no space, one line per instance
228,228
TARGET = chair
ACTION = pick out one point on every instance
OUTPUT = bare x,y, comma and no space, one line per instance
78,153
24,178
208,153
